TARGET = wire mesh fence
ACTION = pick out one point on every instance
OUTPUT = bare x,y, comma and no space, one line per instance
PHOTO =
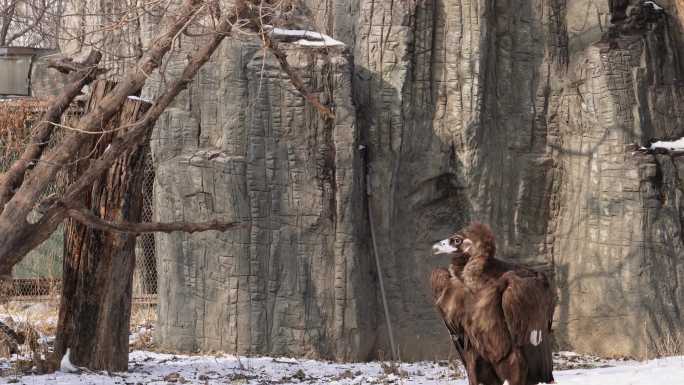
38,276
145,275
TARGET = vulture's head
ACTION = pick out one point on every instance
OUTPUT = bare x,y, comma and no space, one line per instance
476,239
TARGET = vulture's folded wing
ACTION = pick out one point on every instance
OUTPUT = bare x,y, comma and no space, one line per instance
487,327
452,300
448,295
439,280
526,301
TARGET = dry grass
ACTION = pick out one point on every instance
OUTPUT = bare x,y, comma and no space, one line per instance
34,321
670,344
38,321
41,316
143,314
143,319
16,117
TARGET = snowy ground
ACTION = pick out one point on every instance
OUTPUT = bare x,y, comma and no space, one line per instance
154,368
147,367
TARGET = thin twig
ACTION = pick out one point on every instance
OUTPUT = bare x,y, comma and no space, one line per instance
297,82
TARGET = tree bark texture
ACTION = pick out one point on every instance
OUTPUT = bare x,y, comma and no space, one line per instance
94,313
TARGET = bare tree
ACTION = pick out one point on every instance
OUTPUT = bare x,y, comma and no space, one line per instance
29,22
101,196
21,191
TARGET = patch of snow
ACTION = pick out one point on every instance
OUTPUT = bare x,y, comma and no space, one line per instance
308,38
66,366
45,340
315,43
140,337
653,5
655,372
134,97
673,145
157,368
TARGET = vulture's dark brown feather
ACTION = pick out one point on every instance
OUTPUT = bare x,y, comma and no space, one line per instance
506,309
449,296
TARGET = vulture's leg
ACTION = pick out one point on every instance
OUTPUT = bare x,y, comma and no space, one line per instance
513,368
465,356
479,371
470,362
486,375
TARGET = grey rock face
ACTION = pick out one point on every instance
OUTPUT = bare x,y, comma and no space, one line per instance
518,114
616,241
294,280
45,82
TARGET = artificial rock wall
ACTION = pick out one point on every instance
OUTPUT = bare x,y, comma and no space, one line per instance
516,113
294,280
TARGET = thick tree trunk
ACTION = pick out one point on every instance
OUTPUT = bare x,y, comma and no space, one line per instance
95,309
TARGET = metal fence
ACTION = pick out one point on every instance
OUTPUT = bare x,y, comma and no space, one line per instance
38,276
145,275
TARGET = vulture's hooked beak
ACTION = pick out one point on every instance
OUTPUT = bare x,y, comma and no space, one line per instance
443,247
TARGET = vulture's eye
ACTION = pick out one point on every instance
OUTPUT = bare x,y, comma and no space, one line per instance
456,241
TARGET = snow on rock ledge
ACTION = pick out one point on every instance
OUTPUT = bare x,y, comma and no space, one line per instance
673,145
304,38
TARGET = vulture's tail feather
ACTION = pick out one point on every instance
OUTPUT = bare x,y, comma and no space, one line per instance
539,361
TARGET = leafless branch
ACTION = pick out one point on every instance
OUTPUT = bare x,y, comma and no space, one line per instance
296,80
135,134
84,73
85,217
23,236
7,15
19,194
258,22
68,65
37,19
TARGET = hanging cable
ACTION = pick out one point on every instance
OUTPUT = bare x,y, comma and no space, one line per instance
395,355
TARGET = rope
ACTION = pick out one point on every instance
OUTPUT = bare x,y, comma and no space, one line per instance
395,356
